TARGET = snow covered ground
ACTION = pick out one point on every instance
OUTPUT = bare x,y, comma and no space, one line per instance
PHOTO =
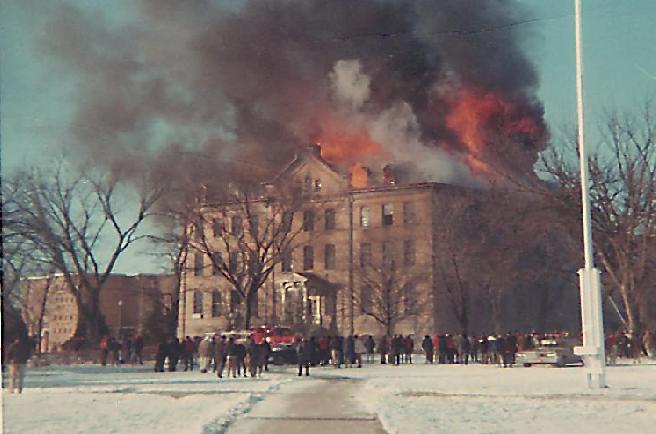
458,399
93,399
407,399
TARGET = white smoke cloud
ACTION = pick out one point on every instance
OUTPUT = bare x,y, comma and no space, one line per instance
349,84
396,128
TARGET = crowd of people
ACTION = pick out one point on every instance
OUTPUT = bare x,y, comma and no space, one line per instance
119,351
221,354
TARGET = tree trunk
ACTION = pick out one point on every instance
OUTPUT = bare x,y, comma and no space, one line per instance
247,310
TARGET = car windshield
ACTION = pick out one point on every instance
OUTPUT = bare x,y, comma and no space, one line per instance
282,332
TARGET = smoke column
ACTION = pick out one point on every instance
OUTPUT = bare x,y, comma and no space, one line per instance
443,83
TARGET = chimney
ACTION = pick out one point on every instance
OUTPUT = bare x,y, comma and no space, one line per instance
359,176
313,149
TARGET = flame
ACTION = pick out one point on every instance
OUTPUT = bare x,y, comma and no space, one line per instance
475,115
342,144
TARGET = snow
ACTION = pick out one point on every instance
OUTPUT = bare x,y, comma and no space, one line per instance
488,399
414,398
92,399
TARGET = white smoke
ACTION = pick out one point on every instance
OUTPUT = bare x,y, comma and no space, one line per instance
396,128
349,84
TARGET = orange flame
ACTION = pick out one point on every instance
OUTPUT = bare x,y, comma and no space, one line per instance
476,114
341,144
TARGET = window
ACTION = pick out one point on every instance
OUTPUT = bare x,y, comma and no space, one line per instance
308,258
408,213
287,219
307,184
329,219
387,253
216,303
233,260
255,225
365,254
364,217
409,299
217,261
365,299
329,257
317,185
287,261
198,263
198,302
308,221
235,300
237,226
198,229
217,227
408,253
388,214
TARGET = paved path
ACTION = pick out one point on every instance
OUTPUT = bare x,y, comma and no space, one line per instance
314,405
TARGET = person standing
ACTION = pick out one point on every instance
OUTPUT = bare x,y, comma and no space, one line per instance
104,350
427,346
359,349
349,358
188,353
17,355
335,350
138,346
230,354
382,349
174,354
220,354
160,355
408,348
305,355
205,351
371,348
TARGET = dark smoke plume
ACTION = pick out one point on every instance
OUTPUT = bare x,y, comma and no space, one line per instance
253,80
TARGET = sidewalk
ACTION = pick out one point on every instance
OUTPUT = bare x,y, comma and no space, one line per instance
315,405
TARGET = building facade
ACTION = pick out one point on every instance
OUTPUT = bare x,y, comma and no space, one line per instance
126,302
363,261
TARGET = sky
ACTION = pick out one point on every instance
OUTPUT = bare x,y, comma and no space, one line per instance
619,43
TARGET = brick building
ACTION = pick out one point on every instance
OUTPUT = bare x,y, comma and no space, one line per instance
363,218
126,302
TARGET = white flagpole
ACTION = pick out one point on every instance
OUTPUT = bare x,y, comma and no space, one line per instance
592,351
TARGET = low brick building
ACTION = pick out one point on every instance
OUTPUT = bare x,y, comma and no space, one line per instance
126,302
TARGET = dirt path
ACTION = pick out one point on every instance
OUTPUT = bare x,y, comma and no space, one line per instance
313,405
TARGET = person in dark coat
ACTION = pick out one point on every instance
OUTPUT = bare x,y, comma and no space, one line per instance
188,348
441,349
266,353
161,355
382,349
17,355
427,346
305,354
240,350
230,354
174,354
349,356
370,346
220,354
138,346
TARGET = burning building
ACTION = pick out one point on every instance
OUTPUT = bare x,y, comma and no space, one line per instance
365,249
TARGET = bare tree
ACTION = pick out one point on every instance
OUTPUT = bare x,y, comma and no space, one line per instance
623,206
244,235
74,223
387,293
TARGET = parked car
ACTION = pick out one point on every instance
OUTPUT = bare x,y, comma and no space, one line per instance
550,351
